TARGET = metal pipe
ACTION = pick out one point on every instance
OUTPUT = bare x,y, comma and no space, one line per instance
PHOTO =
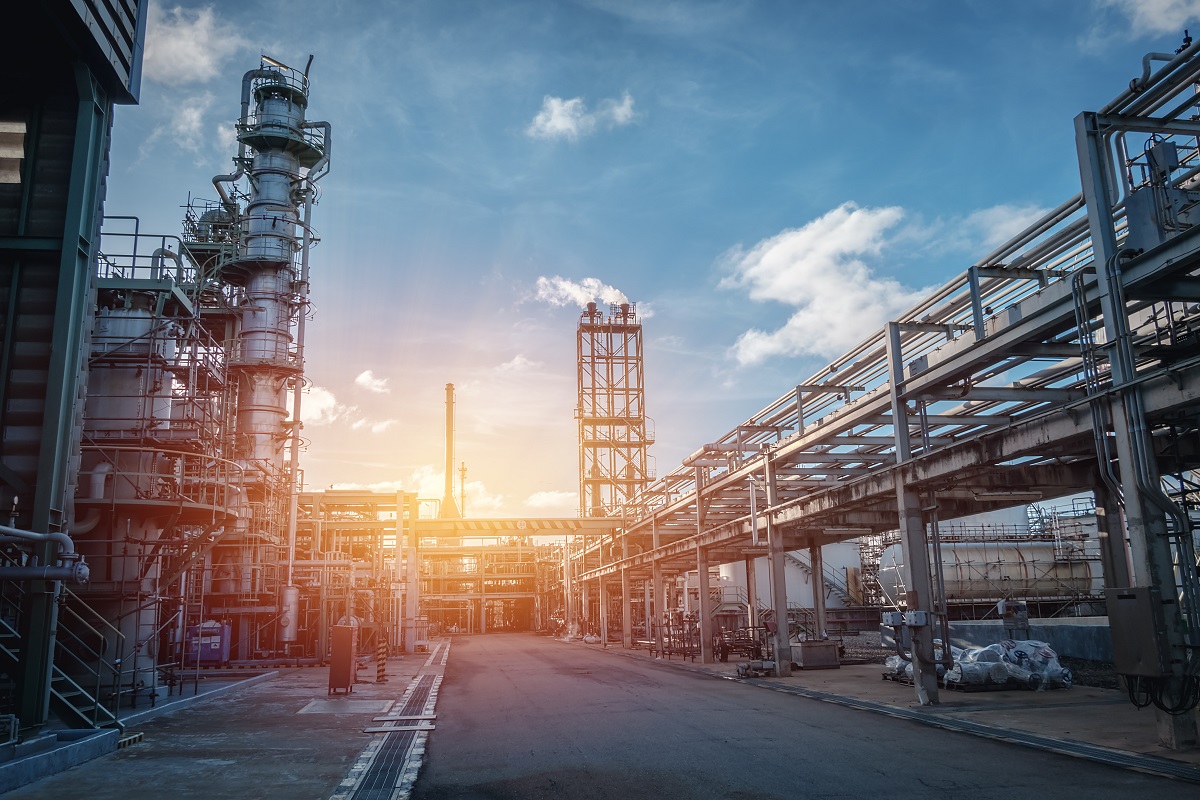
1137,86
66,546
72,573
96,483
156,262
321,168
218,180
297,425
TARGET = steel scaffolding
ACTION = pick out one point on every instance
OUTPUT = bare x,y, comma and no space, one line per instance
614,431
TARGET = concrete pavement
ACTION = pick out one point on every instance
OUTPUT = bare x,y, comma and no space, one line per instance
1086,722
525,716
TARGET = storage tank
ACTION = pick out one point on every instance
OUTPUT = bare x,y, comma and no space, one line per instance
289,621
994,570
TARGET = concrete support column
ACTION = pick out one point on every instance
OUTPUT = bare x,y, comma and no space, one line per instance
660,606
816,559
568,590
775,555
626,611
913,540
586,609
646,607
407,519
704,611
1114,555
603,613
751,594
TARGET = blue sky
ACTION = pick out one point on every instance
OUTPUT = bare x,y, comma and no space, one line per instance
769,181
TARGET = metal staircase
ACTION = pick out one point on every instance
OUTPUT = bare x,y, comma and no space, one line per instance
85,683
801,620
833,582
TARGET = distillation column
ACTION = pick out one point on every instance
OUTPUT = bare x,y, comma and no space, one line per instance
283,155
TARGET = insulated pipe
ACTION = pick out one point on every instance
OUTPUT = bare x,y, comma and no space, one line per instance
65,545
320,168
96,484
99,476
157,262
218,180
294,455
1173,61
1139,84
73,573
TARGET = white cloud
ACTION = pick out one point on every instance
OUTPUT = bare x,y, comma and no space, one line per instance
570,119
519,363
554,504
621,113
367,380
430,484
185,46
321,407
994,226
559,291
481,502
226,138
185,126
375,426
1156,17
820,270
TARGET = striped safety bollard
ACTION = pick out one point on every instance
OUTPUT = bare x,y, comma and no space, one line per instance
381,654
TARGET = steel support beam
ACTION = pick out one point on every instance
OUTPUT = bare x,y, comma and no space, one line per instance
912,532
406,522
704,606
660,606
775,556
751,593
603,613
60,432
626,611
1153,562
817,561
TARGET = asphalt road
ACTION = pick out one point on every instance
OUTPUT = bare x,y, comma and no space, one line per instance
520,716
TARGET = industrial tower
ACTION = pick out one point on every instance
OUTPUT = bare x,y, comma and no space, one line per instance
614,434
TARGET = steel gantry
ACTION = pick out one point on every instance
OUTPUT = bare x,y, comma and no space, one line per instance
614,434
1066,360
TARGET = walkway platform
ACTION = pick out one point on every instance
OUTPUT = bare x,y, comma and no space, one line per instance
1084,722
279,735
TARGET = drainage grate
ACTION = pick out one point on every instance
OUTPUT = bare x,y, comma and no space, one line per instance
380,780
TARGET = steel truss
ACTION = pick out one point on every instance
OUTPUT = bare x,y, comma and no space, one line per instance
1000,387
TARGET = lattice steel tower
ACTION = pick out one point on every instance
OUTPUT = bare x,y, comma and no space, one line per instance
614,465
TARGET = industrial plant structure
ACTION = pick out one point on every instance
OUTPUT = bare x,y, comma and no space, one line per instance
1062,363
152,406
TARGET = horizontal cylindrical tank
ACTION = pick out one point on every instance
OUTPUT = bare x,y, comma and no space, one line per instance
993,570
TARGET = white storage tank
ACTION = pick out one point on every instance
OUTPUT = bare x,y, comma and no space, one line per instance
998,569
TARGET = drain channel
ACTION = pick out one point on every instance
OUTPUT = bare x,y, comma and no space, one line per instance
380,780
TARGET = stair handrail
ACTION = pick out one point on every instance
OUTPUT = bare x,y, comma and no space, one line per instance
832,579
104,666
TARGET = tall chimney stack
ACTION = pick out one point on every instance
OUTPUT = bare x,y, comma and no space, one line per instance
449,509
